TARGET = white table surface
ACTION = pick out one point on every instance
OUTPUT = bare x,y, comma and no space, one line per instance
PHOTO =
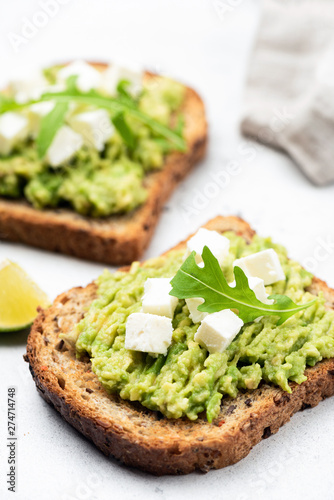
193,41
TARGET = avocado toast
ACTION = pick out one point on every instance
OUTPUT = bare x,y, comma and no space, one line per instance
144,438
114,238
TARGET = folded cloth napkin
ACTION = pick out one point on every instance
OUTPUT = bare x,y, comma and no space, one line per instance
289,97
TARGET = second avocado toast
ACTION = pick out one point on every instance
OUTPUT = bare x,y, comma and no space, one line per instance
90,229
252,408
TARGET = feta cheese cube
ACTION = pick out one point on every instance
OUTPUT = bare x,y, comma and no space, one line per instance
95,127
148,333
217,330
131,72
196,316
257,285
218,244
31,88
35,113
88,77
265,265
156,298
13,128
64,145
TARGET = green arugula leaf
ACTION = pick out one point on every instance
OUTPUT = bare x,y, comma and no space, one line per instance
124,130
122,89
209,283
8,104
119,105
166,145
50,124
71,83
179,125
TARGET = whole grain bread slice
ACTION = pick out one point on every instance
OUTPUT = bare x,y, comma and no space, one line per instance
119,239
143,438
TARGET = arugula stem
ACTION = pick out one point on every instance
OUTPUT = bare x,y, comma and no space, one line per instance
274,311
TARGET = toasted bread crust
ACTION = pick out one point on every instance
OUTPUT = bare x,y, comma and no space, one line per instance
140,437
118,239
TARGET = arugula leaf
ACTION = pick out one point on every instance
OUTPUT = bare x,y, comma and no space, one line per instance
209,283
50,124
119,105
179,124
165,145
176,139
123,103
124,130
71,82
122,89
8,104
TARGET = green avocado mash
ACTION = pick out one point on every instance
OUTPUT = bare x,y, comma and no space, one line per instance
188,380
93,183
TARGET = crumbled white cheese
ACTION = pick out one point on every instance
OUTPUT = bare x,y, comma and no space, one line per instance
95,127
88,77
218,330
25,90
13,129
64,145
132,73
35,113
156,298
148,333
218,244
264,265
196,316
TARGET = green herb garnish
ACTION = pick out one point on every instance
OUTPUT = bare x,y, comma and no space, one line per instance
124,130
209,283
117,106
50,124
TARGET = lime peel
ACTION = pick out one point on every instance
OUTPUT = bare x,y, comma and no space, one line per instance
19,298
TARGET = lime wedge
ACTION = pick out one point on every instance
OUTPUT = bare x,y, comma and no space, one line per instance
19,298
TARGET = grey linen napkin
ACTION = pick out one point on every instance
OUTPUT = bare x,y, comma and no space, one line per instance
289,96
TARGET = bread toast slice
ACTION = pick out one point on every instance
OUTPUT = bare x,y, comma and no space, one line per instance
118,239
143,438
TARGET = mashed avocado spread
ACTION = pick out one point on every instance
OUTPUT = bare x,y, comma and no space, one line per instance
95,183
189,380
